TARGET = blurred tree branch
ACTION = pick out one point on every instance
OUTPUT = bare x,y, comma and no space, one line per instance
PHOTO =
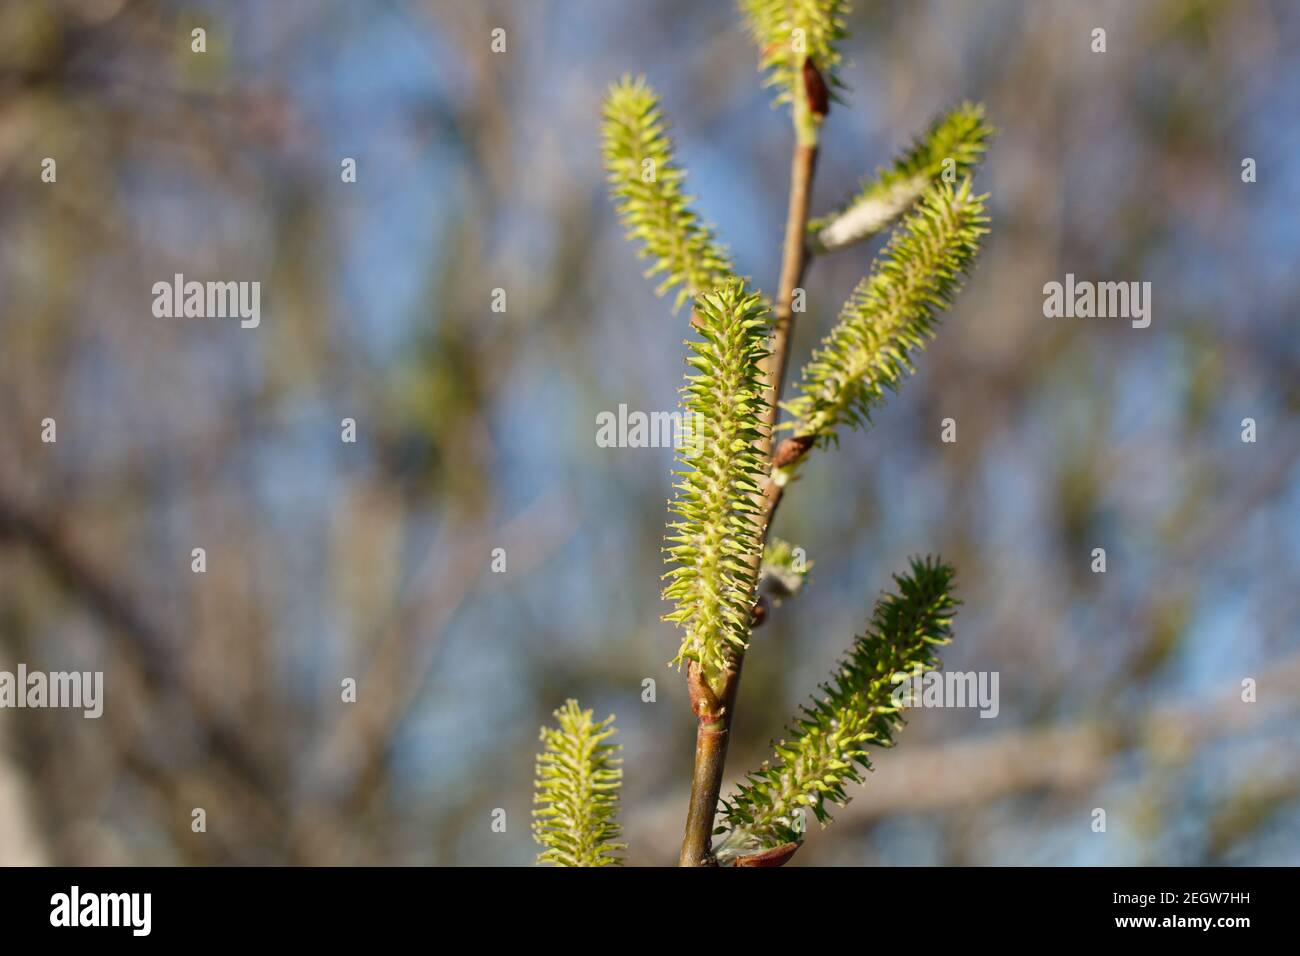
1068,758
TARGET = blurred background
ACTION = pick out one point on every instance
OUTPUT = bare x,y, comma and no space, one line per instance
476,429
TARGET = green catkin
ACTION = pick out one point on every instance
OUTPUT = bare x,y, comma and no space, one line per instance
891,313
576,787
788,32
713,534
952,147
827,744
647,187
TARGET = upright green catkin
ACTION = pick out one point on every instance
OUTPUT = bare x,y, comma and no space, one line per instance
713,537
576,787
790,32
647,188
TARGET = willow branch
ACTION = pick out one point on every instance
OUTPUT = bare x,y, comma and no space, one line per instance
715,719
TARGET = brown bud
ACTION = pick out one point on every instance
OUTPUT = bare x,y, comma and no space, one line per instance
704,703
759,614
819,97
777,856
791,450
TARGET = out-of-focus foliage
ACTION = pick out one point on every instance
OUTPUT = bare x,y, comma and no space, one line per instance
784,570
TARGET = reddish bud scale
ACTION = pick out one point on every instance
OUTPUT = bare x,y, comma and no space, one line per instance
819,97
777,856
